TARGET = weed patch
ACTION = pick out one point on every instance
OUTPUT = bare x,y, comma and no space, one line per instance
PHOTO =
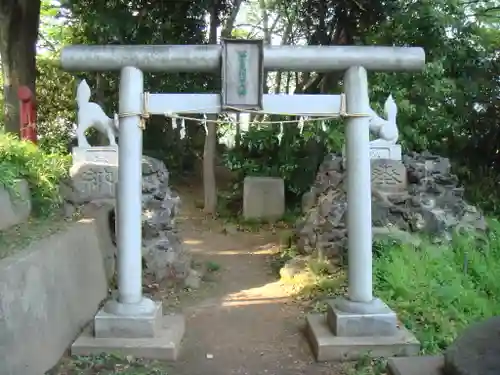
439,290
107,365
436,290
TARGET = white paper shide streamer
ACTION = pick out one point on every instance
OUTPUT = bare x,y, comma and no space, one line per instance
205,123
301,124
182,130
280,135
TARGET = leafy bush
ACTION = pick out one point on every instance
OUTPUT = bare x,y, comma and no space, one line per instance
42,171
295,159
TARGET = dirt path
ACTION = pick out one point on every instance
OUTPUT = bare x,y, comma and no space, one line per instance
244,321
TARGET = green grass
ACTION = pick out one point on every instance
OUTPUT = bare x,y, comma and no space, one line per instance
20,236
436,290
107,365
42,171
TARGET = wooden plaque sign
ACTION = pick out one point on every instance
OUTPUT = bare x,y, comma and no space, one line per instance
242,74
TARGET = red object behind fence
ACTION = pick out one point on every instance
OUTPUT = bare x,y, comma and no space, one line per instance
27,114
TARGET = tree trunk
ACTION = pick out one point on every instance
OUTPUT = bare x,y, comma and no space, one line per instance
209,149
237,137
228,28
19,21
102,138
284,42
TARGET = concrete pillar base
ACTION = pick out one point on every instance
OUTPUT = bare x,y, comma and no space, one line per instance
353,319
118,320
139,330
349,331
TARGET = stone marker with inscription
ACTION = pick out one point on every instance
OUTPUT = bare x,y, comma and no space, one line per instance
94,173
93,181
388,175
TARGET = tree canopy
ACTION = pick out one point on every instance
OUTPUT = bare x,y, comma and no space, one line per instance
451,108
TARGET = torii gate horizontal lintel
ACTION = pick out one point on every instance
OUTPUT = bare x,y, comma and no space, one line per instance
207,58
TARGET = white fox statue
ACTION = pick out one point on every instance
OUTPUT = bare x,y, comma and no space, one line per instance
385,129
91,115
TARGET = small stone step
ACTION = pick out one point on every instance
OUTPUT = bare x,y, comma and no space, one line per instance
429,365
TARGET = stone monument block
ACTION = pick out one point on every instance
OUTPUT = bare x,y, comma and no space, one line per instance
263,198
93,181
388,175
15,203
94,173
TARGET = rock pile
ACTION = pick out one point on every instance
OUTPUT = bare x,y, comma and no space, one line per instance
162,249
428,200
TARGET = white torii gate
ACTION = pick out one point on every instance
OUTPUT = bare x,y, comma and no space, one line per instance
135,105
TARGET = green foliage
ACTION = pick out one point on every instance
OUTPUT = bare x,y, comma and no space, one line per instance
436,290
452,107
42,171
212,266
295,159
143,22
439,290
56,105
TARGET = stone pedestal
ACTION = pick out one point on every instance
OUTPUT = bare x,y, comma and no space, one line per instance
263,198
351,330
94,174
139,330
385,151
103,154
388,175
428,365
381,150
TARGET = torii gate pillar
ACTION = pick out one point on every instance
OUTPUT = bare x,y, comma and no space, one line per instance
355,324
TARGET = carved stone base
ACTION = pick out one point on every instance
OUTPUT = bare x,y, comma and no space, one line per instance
389,152
93,182
94,174
388,175
381,151
102,154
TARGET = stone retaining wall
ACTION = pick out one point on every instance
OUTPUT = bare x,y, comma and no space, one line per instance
15,204
48,293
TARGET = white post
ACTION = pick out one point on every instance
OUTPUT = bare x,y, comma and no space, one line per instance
130,187
359,217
